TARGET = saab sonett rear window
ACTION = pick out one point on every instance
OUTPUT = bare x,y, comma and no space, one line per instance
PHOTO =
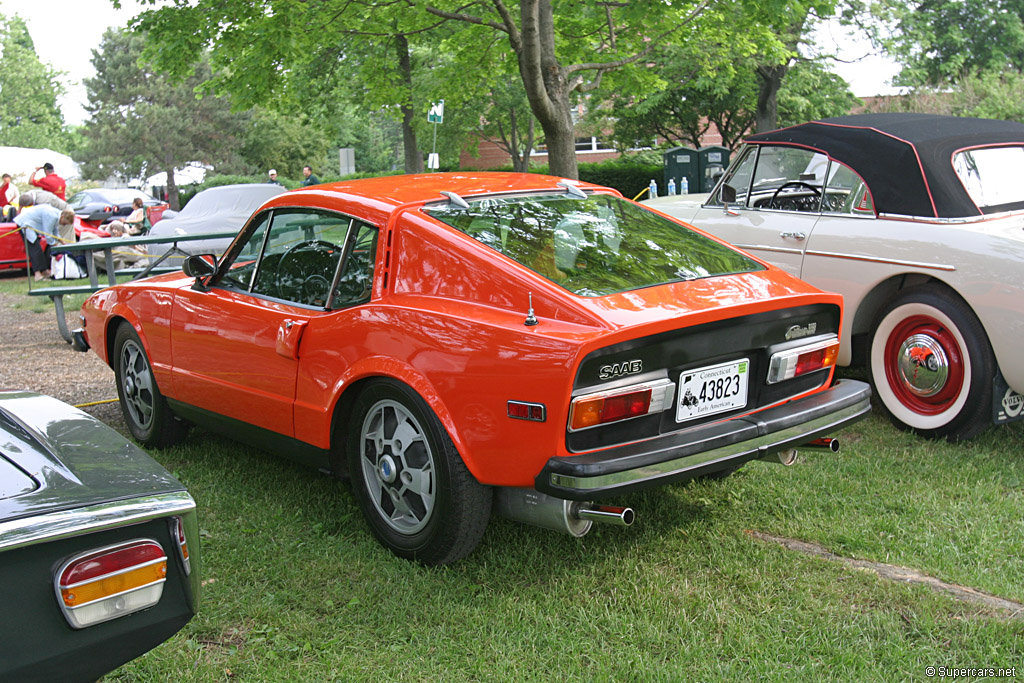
595,246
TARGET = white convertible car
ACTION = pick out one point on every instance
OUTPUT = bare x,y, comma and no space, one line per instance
918,221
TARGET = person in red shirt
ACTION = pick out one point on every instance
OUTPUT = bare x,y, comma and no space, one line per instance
51,182
8,198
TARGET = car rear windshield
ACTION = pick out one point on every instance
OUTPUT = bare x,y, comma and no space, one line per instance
594,246
991,175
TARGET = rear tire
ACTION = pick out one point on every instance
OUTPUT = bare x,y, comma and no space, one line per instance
414,490
145,410
931,365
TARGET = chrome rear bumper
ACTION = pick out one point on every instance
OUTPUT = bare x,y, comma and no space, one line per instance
702,450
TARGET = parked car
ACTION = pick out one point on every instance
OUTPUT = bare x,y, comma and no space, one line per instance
99,206
449,338
217,209
917,221
99,545
12,248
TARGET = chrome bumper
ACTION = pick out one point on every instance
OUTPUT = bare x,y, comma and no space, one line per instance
702,450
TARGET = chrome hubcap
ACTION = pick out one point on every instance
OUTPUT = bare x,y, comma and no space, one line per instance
398,467
923,365
137,384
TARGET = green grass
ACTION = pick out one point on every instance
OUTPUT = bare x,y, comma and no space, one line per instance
297,589
18,283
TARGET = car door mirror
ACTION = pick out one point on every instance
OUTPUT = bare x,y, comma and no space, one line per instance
728,194
199,266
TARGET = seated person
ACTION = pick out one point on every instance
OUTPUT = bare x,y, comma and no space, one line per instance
124,256
135,224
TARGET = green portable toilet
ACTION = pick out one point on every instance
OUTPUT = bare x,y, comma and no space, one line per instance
713,160
681,162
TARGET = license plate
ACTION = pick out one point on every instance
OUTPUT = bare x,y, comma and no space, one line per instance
711,390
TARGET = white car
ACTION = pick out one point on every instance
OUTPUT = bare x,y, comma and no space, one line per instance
918,221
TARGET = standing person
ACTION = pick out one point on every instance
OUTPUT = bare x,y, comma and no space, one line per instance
51,182
310,179
273,177
36,222
8,198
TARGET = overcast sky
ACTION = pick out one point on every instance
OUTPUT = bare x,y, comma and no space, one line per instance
66,31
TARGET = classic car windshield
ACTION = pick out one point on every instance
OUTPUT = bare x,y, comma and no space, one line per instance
594,246
991,176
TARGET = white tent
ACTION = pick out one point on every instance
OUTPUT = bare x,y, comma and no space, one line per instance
21,161
190,175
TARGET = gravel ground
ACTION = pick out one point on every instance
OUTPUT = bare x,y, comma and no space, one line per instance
33,356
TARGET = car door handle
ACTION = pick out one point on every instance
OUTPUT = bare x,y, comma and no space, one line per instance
794,235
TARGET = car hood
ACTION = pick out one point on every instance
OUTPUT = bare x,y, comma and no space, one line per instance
682,206
55,457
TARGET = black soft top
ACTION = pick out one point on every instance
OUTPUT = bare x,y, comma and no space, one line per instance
905,159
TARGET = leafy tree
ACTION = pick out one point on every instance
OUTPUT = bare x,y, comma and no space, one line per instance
295,56
812,92
284,142
937,41
29,113
791,25
726,98
562,53
143,123
989,96
560,50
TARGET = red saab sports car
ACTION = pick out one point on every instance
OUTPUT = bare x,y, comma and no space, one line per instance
461,342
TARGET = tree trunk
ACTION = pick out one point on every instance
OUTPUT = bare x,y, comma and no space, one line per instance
546,86
767,97
172,190
413,158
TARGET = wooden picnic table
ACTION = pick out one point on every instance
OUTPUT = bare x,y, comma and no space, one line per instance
108,245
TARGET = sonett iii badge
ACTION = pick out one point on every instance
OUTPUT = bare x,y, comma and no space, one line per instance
796,331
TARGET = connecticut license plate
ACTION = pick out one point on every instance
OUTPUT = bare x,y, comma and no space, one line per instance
714,389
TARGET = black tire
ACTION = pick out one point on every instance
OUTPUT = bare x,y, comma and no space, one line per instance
145,410
931,365
415,492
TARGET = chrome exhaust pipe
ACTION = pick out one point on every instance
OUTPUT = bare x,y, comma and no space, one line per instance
786,457
565,516
825,444
607,514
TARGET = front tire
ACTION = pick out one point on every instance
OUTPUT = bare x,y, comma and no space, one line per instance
932,366
414,490
145,410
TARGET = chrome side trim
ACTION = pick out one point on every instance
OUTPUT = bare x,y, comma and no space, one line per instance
964,220
763,247
679,465
53,526
875,259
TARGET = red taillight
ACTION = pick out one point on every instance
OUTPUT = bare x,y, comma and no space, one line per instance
611,406
111,582
626,405
178,531
520,410
803,359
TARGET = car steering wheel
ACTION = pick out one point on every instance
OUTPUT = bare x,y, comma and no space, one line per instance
303,279
792,183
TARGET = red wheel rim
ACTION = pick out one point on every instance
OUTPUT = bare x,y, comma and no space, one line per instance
914,347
